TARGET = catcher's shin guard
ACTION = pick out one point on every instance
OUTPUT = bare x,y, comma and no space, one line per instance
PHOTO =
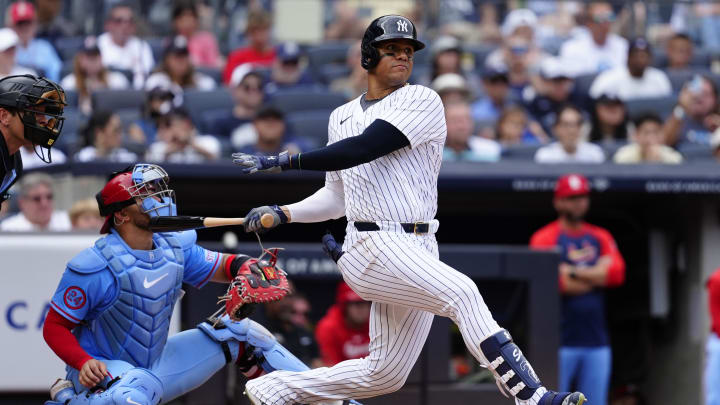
271,354
509,366
137,386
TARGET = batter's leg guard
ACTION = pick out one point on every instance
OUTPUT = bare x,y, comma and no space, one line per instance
562,398
271,355
513,373
138,386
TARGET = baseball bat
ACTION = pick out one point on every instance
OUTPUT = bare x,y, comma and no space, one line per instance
184,223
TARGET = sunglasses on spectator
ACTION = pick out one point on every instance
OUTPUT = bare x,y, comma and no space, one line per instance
247,87
23,23
603,18
38,198
292,62
120,20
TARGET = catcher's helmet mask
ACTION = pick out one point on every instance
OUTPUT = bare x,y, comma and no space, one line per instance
34,97
147,183
382,29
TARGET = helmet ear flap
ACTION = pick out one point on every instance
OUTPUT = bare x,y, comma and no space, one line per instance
370,56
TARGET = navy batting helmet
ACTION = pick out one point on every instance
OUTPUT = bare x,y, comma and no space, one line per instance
382,29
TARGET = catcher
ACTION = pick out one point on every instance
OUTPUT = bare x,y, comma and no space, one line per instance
110,315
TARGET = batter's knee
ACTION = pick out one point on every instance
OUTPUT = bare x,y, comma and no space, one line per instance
388,377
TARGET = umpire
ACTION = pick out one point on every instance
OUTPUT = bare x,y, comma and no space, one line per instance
31,110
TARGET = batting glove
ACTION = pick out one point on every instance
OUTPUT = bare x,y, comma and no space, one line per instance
258,163
331,247
252,219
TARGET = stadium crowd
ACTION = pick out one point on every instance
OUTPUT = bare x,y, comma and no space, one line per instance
192,81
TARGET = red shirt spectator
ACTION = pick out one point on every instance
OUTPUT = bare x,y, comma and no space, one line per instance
713,286
202,44
343,333
259,52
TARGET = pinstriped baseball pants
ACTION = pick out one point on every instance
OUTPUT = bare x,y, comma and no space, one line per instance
407,284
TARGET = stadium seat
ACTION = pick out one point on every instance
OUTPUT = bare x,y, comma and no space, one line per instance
701,58
311,125
71,98
583,83
290,101
520,152
661,106
117,99
679,78
158,47
326,74
328,53
67,47
696,153
479,53
71,139
199,102
215,73
128,115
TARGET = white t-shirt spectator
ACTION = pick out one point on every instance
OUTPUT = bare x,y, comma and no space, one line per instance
157,151
654,83
89,154
115,81
60,221
586,152
31,160
135,56
582,55
630,154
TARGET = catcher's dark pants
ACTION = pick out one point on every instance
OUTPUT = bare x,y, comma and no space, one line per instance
407,284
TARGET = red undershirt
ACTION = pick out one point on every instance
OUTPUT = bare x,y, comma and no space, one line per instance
57,333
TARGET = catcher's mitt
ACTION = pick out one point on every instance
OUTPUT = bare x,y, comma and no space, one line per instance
257,281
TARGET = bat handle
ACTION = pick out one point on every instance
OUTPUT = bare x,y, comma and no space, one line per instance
267,220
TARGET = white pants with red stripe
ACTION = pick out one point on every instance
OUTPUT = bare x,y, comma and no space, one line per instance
407,283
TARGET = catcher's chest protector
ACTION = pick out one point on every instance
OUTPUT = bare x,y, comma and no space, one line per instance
135,327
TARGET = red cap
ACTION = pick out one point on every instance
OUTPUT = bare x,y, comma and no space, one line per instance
113,197
22,11
571,185
345,294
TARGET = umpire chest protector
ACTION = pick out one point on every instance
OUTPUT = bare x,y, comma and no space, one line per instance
134,328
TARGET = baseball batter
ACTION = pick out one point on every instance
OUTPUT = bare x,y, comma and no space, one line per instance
382,162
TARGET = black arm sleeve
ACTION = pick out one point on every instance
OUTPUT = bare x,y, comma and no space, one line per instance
378,139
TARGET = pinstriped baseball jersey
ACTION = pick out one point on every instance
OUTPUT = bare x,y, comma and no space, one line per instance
401,186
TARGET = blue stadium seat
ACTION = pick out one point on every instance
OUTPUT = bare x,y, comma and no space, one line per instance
215,73
583,83
678,78
326,74
328,53
701,58
661,106
199,102
480,53
520,152
290,101
70,139
71,98
696,153
116,99
67,47
157,45
128,115
311,125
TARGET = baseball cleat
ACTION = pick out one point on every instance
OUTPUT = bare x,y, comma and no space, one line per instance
562,398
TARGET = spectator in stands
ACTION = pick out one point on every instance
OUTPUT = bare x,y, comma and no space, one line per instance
202,45
714,144
246,86
259,50
51,23
712,346
513,128
8,49
32,52
345,24
679,50
85,216
343,333
647,144
595,49
521,22
271,135
637,79
288,70
355,84
495,97
609,120
178,141
177,73
31,160
287,321
103,139
590,262
551,90
37,211
461,145
90,75
157,104
452,88
696,115
121,49
446,55
518,57
569,147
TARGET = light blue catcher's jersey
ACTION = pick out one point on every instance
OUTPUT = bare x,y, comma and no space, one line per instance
123,298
